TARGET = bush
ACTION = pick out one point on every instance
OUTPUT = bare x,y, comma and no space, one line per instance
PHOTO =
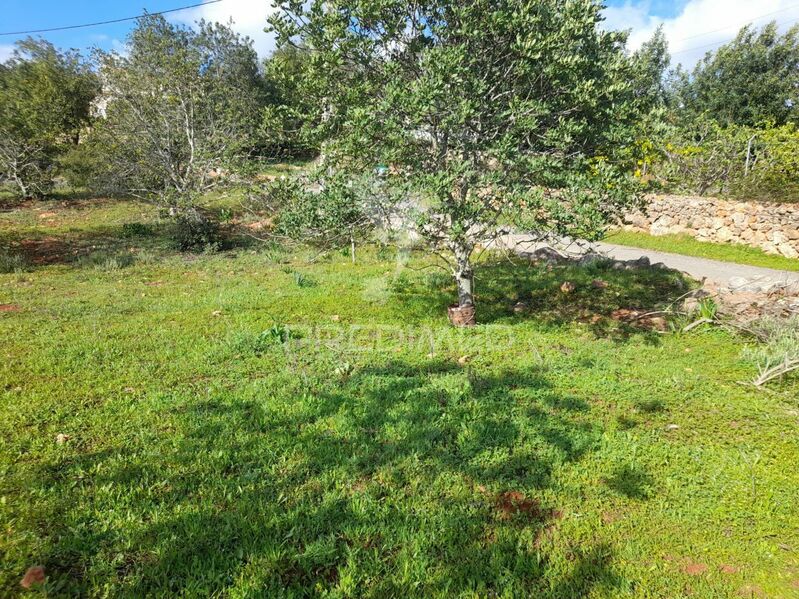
136,230
106,261
741,162
194,230
12,263
773,172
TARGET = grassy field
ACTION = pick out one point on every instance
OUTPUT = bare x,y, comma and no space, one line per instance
247,424
687,245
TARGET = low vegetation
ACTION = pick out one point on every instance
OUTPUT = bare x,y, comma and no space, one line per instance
202,424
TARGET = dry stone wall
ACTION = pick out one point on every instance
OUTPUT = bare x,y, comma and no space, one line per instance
773,228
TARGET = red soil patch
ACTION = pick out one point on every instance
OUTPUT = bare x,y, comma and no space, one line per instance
728,569
9,308
515,503
694,568
44,251
640,319
34,576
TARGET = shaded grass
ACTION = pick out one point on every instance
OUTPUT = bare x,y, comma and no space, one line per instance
206,458
688,246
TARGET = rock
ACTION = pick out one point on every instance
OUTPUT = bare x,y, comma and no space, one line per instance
673,427
464,360
690,305
61,438
591,258
568,287
520,308
548,256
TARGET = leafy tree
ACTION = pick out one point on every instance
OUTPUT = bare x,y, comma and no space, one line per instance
650,64
45,100
331,217
181,107
283,125
752,80
476,113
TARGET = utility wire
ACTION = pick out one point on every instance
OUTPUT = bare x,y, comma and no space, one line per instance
162,12
724,41
752,20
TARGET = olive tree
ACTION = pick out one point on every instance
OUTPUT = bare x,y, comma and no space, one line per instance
45,99
179,107
476,114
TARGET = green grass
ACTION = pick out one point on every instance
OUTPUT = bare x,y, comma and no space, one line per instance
213,453
688,246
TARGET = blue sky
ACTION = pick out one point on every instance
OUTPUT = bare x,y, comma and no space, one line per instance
692,26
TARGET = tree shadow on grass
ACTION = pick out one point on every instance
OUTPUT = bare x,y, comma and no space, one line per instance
600,291
401,481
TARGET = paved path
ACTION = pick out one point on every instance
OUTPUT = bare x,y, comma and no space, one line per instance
725,274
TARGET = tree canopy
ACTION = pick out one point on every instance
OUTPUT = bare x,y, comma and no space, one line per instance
180,106
45,101
752,81
476,111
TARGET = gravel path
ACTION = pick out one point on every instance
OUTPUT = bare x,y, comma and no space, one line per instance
725,274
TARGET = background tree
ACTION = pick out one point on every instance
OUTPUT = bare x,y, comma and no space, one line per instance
284,119
750,81
45,99
477,112
650,66
181,107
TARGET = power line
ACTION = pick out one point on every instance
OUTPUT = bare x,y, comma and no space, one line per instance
162,12
752,20
724,41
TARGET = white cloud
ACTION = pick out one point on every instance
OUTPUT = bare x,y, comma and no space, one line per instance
6,50
248,16
702,25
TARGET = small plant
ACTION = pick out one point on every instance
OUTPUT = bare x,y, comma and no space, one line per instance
260,343
707,308
276,334
777,351
225,215
345,370
303,281
12,263
136,230
105,261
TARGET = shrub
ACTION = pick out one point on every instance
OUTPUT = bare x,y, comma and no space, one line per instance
777,352
136,230
194,230
12,263
105,260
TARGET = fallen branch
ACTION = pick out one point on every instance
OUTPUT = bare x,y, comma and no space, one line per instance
698,323
776,372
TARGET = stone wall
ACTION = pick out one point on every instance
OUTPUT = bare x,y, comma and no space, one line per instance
773,228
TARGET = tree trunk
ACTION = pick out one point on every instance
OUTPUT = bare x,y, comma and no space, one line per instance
464,277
